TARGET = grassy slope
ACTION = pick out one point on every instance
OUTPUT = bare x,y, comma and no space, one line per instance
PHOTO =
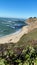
28,38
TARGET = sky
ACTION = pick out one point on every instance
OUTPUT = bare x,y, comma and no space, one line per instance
18,8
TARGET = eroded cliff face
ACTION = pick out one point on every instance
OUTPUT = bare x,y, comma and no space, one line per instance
32,26
32,23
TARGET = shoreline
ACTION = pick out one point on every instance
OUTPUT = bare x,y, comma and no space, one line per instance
14,37
11,33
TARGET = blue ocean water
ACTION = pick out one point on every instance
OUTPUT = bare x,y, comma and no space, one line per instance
10,25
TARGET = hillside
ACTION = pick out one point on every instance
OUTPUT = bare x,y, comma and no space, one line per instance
24,50
29,39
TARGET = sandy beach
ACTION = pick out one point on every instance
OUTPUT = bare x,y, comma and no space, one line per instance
14,38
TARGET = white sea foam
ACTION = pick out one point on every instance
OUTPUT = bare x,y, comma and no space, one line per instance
9,21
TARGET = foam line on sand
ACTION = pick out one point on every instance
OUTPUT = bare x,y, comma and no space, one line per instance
14,38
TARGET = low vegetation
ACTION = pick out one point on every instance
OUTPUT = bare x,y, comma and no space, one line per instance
27,56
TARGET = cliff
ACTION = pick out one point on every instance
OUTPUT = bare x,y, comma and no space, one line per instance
30,20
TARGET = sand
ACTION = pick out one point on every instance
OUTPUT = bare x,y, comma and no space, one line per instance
14,38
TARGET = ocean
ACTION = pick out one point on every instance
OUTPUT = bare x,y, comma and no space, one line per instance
10,25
